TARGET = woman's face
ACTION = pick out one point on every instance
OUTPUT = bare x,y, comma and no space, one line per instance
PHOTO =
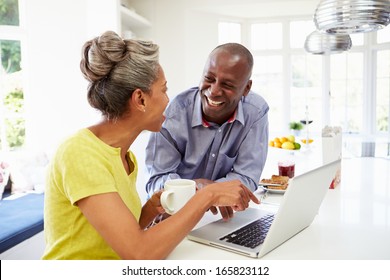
158,102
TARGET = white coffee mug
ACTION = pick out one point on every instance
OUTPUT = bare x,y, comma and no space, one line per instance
176,194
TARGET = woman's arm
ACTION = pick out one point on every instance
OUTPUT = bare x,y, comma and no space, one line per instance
128,239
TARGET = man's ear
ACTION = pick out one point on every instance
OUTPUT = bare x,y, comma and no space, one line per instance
138,100
247,88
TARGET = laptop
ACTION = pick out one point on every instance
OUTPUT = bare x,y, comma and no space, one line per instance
245,234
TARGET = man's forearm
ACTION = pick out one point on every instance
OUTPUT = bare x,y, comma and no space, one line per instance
156,183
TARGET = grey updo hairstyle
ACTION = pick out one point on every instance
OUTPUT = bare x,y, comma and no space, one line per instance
115,68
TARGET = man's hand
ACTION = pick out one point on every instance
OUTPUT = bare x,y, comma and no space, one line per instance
226,211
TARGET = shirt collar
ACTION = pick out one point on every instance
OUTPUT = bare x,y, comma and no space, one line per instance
197,117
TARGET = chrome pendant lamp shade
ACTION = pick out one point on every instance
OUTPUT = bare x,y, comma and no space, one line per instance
325,43
352,16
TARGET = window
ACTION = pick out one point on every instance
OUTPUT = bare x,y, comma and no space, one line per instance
267,79
350,89
357,39
305,90
382,83
306,76
268,68
12,123
9,12
346,91
267,36
299,31
383,36
284,74
383,91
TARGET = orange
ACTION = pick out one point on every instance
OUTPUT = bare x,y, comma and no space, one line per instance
277,139
283,139
271,143
277,144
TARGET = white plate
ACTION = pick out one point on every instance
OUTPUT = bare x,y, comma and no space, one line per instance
273,190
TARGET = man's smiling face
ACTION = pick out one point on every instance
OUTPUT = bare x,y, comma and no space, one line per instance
226,78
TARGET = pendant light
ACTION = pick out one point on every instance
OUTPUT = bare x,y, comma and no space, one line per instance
325,43
352,16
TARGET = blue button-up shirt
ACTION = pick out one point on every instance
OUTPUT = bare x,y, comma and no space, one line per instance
187,147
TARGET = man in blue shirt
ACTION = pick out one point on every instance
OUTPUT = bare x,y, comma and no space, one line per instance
215,132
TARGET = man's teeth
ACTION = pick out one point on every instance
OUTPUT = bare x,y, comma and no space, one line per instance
214,103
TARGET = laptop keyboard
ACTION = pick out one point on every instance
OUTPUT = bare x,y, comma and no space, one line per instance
251,235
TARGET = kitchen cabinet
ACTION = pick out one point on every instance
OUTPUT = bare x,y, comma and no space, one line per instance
132,24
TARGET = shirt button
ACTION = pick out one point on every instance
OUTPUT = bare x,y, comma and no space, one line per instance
213,155
219,130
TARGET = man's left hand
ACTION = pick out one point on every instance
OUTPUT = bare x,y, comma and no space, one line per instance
226,212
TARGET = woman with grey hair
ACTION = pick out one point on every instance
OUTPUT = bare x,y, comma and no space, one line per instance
92,208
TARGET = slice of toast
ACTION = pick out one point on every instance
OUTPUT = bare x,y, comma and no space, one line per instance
282,181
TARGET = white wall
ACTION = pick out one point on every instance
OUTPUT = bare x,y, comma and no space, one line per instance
185,38
55,88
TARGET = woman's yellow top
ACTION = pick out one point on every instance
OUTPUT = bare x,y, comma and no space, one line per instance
83,166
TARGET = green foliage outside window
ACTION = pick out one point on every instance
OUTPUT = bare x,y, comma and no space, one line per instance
10,55
15,132
12,123
9,12
14,126
383,124
14,101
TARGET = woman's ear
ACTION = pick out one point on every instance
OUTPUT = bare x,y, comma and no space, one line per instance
138,100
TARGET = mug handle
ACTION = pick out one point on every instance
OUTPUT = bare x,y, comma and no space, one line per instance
164,199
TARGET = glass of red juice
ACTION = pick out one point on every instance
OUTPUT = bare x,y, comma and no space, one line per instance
286,168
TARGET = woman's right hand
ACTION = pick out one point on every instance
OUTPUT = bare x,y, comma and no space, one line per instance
231,193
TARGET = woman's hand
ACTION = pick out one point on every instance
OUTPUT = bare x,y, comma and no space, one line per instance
151,210
230,194
154,202
225,210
